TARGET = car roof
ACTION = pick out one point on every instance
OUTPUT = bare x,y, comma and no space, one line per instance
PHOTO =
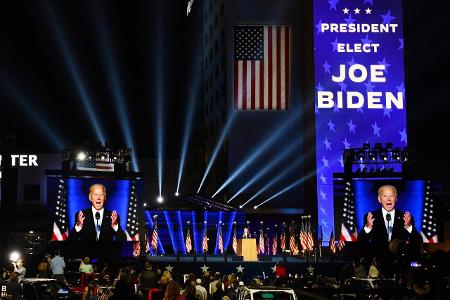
268,288
31,280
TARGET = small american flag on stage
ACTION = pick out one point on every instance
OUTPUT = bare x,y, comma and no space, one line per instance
205,240
261,242
283,238
132,224
94,166
220,246
275,244
154,242
188,241
261,67
292,242
332,243
309,235
60,225
235,240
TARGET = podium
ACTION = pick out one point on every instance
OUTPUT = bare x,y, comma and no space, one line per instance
247,249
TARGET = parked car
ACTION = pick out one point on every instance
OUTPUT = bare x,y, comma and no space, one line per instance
265,293
46,289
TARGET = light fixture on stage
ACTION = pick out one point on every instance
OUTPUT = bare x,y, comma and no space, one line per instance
384,156
372,156
145,204
177,194
366,146
81,156
160,199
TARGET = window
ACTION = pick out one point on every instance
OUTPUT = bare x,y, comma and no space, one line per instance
32,193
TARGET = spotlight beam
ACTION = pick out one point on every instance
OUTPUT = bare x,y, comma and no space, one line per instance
289,187
258,151
219,144
267,168
274,180
114,84
75,75
187,129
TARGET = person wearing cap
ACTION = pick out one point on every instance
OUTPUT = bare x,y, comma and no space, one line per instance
200,291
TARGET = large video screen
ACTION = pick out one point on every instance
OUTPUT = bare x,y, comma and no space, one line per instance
354,198
92,209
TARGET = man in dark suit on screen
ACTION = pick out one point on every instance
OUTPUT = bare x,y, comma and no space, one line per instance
96,223
389,231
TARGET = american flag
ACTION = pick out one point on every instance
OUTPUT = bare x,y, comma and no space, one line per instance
332,243
275,244
303,236
309,235
292,242
137,248
348,226
220,242
261,67
188,242
429,226
261,242
205,240
94,166
154,242
61,222
283,238
234,240
132,224
267,240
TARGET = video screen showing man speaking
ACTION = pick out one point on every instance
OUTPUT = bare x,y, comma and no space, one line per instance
90,209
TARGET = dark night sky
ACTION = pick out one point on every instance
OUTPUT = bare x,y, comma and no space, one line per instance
32,63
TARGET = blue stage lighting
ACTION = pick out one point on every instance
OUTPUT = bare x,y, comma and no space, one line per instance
33,113
268,167
180,232
259,149
170,228
75,74
219,144
274,180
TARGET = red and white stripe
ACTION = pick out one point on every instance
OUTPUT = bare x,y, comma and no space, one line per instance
235,242
264,84
346,235
57,235
431,240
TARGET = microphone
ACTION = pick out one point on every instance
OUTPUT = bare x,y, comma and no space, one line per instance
97,216
388,219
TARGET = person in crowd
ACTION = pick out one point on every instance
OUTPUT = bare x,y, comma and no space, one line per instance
148,279
86,266
58,265
123,287
373,270
213,284
44,268
91,291
4,274
97,223
166,277
360,269
189,291
13,287
219,292
173,292
200,291
20,269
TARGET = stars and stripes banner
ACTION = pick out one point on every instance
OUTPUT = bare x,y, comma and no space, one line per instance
220,242
94,166
429,221
154,242
188,242
309,235
132,224
61,222
303,236
293,247
261,67
205,240
261,242
283,239
348,227
235,241
359,86
275,244
332,243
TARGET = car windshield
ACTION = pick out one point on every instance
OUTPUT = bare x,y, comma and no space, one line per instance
277,295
